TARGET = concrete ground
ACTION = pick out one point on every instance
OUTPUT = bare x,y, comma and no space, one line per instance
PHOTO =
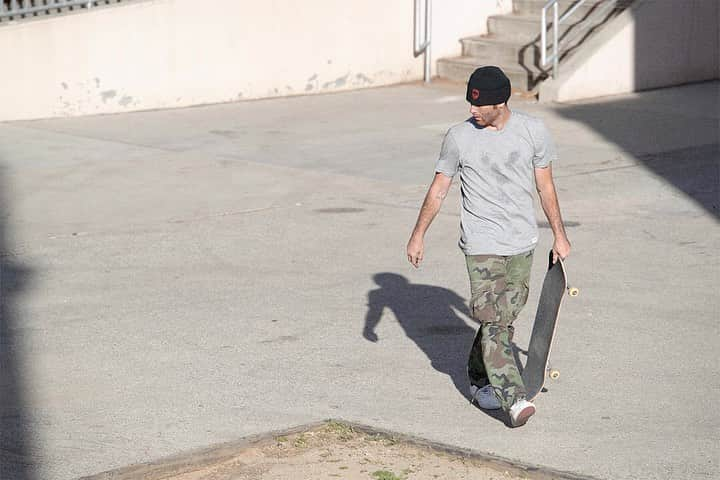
177,279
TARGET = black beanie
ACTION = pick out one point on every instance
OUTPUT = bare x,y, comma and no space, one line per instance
488,86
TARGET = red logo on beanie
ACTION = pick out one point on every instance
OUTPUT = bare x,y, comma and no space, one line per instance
475,94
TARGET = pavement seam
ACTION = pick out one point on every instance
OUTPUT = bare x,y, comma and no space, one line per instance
94,138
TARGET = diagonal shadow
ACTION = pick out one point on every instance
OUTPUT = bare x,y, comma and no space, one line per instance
693,170
15,437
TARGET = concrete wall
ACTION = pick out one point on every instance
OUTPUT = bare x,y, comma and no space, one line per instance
165,53
655,43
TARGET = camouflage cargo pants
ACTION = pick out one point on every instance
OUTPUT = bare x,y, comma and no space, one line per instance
499,290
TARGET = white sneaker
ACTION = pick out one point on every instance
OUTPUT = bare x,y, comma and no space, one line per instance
520,412
485,397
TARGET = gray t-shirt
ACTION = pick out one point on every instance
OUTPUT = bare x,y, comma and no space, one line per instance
497,182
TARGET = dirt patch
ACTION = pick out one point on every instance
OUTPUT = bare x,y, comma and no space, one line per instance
332,450
337,450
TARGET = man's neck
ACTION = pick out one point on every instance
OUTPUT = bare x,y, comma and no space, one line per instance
502,120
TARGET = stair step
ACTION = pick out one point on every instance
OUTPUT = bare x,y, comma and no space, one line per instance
534,7
501,50
460,68
521,28
527,28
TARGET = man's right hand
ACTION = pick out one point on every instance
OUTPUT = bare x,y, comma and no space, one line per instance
415,249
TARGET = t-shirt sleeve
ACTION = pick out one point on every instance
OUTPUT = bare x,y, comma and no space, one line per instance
449,161
545,151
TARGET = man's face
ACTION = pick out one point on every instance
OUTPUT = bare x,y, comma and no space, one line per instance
486,114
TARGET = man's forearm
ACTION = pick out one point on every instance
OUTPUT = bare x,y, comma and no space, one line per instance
429,210
431,206
551,207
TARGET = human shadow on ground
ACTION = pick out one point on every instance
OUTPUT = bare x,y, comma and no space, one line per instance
430,317
16,452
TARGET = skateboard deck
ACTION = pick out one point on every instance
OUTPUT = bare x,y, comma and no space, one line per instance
543,332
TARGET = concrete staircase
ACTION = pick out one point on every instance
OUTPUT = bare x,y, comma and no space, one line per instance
513,40
20,10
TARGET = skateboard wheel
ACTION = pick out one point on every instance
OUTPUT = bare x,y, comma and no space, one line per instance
573,292
554,374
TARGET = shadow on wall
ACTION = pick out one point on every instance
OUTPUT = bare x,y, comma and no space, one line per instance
668,133
676,43
16,459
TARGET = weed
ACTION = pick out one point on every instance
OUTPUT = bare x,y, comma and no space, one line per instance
390,441
343,431
300,442
386,475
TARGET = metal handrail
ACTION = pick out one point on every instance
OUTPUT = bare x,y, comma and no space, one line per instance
557,21
555,58
18,8
423,46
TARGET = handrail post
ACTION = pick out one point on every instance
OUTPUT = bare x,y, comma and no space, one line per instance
544,61
424,46
556,39
543,37
428,39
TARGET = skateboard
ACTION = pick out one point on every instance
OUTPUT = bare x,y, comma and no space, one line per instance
541,339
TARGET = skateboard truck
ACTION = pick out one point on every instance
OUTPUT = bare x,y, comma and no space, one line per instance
551,372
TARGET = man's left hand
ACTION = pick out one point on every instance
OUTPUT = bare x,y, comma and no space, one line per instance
561,249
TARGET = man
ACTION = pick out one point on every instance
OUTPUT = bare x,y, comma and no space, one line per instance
499,154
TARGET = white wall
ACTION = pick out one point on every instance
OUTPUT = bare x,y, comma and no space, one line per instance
657,43
455,19
165,53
